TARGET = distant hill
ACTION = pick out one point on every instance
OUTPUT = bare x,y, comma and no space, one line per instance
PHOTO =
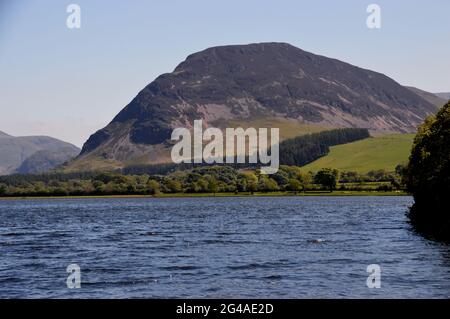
45,160
381,152
265,82
433,98
445,95
31,154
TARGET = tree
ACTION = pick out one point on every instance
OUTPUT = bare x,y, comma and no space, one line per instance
201,185
378,175
294,185
427,176
153,187
305,180
174,186
2,189
327,177
104,177
251,181
98,186
267,184
282,176
350,177
212,185
131,189
400,169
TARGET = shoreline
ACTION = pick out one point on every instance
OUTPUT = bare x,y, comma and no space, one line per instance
201,195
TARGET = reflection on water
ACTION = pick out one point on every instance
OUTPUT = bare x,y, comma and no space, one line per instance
253,247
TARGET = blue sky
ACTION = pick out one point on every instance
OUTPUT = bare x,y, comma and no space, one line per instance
68,83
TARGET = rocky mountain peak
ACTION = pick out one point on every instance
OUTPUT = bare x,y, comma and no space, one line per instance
247,82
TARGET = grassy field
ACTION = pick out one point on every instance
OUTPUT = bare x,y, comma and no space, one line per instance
381,152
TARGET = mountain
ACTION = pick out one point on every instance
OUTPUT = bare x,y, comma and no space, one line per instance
445,96
45,152
45,160
239,85
433,98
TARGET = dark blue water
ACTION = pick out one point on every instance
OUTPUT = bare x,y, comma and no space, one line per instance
289,247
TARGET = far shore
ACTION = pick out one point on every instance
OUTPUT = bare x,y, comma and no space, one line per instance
243,194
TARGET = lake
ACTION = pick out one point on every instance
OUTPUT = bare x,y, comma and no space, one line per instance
225,247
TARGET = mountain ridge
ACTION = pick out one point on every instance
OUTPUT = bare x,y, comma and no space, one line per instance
15,150
444,95
430,97
247,82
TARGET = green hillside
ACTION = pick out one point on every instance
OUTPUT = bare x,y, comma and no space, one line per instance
382,152
288,128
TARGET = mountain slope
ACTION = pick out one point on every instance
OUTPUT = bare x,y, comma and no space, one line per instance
241,83
430,97
45,160
445,95
15,150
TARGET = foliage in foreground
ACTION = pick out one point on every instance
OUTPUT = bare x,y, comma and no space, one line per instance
427,176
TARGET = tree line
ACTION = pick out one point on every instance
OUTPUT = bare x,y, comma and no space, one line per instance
305,149
206,179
